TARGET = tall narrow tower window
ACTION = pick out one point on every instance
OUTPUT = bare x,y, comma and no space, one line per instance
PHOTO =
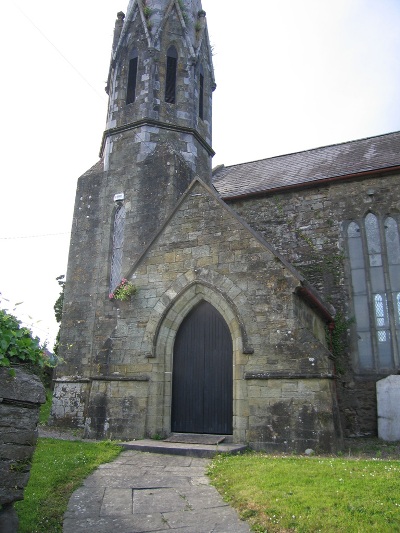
201,93
117,247
170,80
132,75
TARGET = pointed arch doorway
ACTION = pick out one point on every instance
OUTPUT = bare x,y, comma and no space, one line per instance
202,378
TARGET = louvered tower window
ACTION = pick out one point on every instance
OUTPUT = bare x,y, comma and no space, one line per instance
132,76
170,80
201,93
117,247
374,252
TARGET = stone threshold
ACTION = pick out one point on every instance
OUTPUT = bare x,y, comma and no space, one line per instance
179,448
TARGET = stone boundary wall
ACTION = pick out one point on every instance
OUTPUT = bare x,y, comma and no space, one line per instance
20,400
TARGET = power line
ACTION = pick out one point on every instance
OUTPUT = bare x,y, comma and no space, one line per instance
24,318
103,99
32,236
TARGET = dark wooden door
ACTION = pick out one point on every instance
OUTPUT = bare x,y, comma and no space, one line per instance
202,374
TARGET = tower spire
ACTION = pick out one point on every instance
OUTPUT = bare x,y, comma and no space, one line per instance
161,76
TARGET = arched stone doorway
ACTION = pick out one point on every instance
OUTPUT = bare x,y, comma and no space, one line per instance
164,332
202,377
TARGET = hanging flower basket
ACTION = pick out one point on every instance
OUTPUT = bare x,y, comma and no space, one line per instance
124,291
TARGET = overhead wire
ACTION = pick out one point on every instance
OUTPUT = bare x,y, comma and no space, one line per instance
24,318
101,96
32,236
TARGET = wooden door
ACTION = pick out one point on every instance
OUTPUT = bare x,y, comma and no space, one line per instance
202,381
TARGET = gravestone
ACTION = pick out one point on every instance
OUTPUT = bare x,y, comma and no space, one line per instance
388,400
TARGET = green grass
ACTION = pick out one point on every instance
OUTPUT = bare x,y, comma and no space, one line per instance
46,408
58,468
309,494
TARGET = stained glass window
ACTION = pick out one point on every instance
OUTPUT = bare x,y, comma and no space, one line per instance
374,254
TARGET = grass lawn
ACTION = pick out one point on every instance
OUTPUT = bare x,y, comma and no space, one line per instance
309,494
58,468
46,408
357,493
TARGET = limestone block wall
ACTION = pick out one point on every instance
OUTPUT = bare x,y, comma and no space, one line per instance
117,408
291,415
151,192
307,227
70,397
20,399
282,367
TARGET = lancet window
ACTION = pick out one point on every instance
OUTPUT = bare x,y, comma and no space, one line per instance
132,76
201,93
374,252
170,80
117,247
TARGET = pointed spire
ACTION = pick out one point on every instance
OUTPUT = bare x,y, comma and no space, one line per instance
161,74
154,14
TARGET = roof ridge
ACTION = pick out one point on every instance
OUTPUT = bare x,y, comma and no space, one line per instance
309,150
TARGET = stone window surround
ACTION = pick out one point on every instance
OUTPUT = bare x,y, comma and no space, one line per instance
131,82
171,74
117,239
360,222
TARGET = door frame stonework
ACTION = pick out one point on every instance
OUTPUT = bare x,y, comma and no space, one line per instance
164,346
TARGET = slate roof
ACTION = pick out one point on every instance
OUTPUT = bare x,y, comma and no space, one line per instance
308,167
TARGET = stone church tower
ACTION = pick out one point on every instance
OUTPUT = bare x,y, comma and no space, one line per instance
157,139
224,335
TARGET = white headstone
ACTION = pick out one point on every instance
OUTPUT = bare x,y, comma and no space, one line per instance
388,400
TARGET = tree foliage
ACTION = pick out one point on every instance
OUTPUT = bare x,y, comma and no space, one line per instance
58,307
17,345
60,300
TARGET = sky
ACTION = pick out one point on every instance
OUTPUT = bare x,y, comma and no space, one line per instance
291,75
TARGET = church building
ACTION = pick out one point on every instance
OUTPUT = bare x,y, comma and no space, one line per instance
259,300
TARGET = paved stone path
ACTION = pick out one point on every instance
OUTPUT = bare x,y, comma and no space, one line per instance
144,492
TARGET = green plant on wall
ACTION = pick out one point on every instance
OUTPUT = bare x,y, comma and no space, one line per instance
147,12
183,9
124,291
337,339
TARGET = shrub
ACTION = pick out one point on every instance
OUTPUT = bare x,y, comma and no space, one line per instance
17,344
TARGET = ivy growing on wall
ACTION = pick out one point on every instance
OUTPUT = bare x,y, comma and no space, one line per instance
338,338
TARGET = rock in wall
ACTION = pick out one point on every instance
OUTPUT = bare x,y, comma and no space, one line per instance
20,399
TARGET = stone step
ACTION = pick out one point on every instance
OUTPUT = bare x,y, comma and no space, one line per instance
179,448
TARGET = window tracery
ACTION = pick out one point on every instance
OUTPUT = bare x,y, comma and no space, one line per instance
374,253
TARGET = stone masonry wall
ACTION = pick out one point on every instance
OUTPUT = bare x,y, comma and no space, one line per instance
20,399
205,252
307,227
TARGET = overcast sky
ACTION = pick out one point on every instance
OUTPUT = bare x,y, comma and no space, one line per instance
291,75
